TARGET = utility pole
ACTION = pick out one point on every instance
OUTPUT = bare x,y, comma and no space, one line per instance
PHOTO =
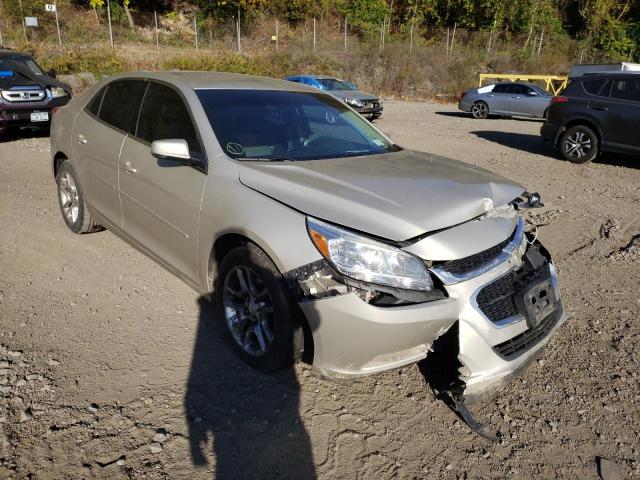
55,6
109,19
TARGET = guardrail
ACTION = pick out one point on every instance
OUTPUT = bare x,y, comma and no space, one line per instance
553,83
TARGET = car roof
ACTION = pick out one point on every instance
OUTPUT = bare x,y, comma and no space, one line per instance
315,77
605,75
217,80
528,84
5,53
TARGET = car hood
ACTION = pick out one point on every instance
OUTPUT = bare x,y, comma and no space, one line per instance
23,77
342,94
396,196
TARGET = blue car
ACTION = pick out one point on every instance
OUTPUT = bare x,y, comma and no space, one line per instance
365,104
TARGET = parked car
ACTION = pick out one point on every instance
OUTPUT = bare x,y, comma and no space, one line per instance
517,99
365,104
594,114
27,93
318,235
593,69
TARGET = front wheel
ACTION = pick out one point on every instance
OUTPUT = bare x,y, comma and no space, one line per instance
579,144
480,110
258,309
71,199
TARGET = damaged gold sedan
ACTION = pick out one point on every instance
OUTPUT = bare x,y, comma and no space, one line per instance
318,236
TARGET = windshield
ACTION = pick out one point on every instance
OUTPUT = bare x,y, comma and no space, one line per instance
281,125
5,64
334,84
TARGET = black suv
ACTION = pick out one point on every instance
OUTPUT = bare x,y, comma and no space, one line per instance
596,113
28,94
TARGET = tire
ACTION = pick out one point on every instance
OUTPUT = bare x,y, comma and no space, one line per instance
579,144
545,115
259,306
71,200
480,110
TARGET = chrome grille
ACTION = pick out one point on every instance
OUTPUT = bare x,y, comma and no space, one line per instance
15,96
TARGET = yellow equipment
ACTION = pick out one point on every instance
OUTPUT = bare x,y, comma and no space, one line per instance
553,83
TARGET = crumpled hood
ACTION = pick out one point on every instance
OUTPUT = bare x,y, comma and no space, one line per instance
342,94
396,196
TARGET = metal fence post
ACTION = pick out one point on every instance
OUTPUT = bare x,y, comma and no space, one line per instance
277,37
55,6
195,28
238,31
411,38
24,26
155,17
453,37
314,34
345,34
1,42
109,19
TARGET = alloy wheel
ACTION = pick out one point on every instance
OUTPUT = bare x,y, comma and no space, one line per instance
248,310
69,200
577,145
479,110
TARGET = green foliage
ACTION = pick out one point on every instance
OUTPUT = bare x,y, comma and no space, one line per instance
363,15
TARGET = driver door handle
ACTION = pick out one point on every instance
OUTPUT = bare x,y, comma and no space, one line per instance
600,107
129,168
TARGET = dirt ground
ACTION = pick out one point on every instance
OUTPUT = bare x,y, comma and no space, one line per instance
111,368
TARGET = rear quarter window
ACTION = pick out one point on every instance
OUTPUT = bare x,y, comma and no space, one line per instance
93,107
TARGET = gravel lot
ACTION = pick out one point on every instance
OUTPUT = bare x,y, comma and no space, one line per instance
111,368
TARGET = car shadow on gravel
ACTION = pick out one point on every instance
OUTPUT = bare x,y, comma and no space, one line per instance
248,420
23,134
535,145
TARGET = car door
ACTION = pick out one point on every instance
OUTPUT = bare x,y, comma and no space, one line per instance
161,198
99,132
498,99
529,102
620,113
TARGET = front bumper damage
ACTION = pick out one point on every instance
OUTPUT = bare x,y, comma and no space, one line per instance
359,330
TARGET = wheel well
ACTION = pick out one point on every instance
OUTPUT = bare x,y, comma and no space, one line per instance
223,245
57,161
585,123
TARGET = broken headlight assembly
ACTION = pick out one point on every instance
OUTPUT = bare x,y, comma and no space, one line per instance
388,275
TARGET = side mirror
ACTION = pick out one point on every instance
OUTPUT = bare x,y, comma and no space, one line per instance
173,149
52,73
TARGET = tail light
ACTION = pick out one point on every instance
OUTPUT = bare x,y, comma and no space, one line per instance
462,95
555,100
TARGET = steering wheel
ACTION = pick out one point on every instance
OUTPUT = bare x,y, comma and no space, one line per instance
313,138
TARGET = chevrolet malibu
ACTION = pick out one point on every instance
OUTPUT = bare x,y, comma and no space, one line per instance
316,235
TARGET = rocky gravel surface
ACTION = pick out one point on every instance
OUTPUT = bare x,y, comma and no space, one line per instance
112,368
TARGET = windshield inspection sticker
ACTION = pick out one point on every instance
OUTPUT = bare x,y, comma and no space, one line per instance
235,148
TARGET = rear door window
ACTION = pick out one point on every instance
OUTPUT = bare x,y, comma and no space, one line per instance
500,88
593,87
121,104
626,89
164,116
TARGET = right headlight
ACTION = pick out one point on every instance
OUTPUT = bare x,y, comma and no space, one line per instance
354,102
368,260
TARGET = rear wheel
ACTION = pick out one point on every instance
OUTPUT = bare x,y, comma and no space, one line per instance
480,110
579,144
71,199
258,309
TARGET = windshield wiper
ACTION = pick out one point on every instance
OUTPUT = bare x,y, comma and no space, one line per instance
270,159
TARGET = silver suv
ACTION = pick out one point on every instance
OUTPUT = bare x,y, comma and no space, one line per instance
316,234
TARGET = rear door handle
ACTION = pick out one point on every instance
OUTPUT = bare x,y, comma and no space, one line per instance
129,168
600,107
81,139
